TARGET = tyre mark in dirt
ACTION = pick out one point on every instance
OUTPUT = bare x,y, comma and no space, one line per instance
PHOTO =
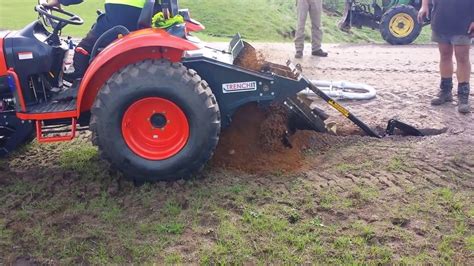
465,166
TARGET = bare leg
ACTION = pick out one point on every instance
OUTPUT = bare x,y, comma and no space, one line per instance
446,67
463,63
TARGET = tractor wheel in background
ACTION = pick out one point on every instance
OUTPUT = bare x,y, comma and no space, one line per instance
156,121
399,25
13,133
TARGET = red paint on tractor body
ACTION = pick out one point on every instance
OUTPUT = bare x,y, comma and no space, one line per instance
3,61
194,26
135,47
11,72
43,139
155,128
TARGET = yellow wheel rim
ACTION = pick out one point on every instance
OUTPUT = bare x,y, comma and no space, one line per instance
401,25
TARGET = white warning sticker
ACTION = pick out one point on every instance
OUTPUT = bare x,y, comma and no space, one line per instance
25,55
239,87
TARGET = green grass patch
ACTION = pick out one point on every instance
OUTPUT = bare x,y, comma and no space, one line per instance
454,202
344,168
78,158
173,258
397,164
263,20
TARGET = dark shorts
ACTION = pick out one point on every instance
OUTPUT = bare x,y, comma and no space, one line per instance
451,39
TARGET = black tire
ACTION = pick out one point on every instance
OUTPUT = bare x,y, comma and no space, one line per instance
170,81
13,133
412,31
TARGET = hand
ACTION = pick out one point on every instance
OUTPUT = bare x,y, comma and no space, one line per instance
422,14
471,30
53,3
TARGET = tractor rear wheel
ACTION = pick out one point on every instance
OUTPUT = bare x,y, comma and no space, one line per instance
156,121
399,25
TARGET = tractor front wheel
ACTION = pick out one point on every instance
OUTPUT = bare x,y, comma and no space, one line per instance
156,121
399,25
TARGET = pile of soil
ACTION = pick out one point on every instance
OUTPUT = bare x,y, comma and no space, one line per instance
250,58
254,143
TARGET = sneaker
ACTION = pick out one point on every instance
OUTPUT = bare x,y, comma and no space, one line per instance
299,55
320,53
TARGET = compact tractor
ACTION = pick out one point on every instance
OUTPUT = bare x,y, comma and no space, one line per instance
155,99
395,19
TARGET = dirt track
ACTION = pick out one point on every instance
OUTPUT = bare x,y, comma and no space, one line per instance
396,199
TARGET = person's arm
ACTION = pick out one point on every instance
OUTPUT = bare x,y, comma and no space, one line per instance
424,11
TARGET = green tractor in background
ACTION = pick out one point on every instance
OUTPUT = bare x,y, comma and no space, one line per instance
396,19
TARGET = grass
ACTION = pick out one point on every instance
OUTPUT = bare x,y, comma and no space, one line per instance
354,168
79,218
222,20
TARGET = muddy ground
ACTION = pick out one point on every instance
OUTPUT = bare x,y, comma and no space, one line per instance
349,200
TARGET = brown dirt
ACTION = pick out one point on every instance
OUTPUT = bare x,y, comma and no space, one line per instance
253,143
250,58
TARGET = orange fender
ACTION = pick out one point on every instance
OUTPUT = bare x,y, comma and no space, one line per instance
135,47
3,61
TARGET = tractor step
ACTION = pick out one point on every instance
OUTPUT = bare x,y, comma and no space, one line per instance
53,107
44,135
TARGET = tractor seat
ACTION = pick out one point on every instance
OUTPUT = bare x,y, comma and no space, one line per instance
144,21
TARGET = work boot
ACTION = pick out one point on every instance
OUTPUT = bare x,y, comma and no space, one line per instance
299,55
320,53
445,95
80,65
463,98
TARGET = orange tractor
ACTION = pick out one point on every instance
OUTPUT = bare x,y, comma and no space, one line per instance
155,99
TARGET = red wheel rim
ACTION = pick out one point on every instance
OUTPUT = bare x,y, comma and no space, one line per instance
155,128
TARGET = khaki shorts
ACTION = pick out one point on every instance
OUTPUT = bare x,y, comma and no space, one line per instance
451,39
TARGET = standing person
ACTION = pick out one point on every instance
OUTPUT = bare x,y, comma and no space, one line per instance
315,9
452,23
117,12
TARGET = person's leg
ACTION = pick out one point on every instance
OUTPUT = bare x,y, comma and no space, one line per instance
302,12
345,23
446,67
463,74
446,71
315,11
81,57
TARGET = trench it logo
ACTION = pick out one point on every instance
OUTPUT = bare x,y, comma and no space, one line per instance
239,87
